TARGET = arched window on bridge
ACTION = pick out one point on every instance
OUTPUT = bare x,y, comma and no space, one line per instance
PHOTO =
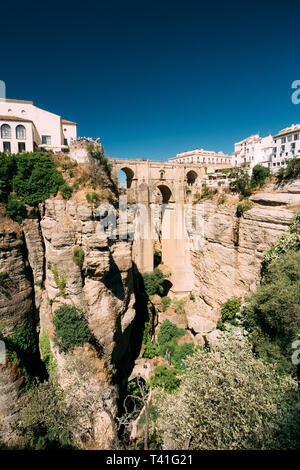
125,177
191,177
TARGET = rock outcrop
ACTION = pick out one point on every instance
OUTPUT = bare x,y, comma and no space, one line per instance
102,288
229,262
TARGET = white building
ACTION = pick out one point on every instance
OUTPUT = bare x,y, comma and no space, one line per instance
203,156
253,150
27,128
286,146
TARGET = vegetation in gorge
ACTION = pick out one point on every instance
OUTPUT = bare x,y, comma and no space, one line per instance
272,314
78,256
229,310
165,303
56,418
46,353
288,241
229,399
244,206
22,351
71,328
173,353
165,378
168,332
153,282
48,421
60,280
3,277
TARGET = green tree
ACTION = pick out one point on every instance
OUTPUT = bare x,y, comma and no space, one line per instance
229,399
71,328
273,311
168,331
49,421
259,175
36,177
240,182
165,378
153,282
15,208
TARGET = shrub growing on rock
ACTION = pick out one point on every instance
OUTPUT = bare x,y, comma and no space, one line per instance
273,311
153,282
165,303
165,378
243,207
78,256
71,328
229,399
168,331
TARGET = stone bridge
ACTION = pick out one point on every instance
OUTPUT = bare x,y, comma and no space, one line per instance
171,183
170,178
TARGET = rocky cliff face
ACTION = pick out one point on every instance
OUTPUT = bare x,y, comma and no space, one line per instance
102,287
16,310
33,259
229,262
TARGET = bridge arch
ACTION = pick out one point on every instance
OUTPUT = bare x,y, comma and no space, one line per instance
129,173
191,177
162,194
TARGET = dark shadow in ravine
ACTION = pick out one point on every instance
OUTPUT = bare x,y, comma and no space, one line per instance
113,279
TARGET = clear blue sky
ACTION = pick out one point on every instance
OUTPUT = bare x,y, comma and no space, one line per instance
154,78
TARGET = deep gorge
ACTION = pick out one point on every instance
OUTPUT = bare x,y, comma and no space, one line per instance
109,289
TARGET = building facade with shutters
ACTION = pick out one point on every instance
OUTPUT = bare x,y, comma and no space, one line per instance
286,145
26,128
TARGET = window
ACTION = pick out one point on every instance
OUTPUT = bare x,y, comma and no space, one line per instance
46,139
290,138
283,140
296,137
20,132
21,147
5,131
65,141
282,148
6,147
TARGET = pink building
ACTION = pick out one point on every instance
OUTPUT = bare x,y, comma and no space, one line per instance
26,128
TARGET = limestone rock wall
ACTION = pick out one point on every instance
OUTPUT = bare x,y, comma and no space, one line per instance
103,287
16,310
229,262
